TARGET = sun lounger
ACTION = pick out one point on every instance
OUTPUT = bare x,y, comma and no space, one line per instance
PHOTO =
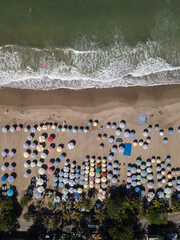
142,119
127,150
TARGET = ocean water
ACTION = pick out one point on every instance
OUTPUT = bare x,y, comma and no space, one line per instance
86,44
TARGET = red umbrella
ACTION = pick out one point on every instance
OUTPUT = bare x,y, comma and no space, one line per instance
50,171
98,165
91,178
104,174
50,139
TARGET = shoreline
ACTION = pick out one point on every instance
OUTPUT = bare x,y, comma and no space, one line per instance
89,98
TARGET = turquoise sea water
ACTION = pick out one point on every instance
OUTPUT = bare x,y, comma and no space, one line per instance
82,44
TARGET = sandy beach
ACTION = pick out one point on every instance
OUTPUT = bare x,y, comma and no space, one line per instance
76,108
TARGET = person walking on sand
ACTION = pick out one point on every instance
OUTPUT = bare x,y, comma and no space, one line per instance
5,113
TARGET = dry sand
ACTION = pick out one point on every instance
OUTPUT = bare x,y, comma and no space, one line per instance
77,107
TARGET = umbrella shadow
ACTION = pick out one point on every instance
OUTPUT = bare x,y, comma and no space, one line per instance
53,135
45,135
7,126
28,171
53,145
52,160
13,164
6,164
6,175
44,166
14,175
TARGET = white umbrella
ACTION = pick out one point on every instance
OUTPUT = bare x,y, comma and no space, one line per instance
12,129
41,171
39,163
114,180
33,155
167,190
70,145
40,181
11,154
122,124
3,168
64,197
29,137
4,130
71,183
150,185
126,134
26,154
121,149
26,175
33,145
65,191
71,190
26,165
33,164
33,129
111,139
118,132
66,169
26,129
151,195
145,132
40,189
25,145
110,157
43,155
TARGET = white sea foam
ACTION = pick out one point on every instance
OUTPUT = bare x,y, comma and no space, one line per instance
146,64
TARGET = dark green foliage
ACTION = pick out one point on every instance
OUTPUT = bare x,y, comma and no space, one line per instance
25,200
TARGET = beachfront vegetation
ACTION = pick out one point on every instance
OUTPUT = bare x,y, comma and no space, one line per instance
25,200
175,204
8,217
27,216
52,223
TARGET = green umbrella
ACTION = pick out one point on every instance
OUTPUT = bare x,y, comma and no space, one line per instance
138,177
143,180
143,166
138,162
98,170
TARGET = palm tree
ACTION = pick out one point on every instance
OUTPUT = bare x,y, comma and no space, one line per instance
68,206
79,205
87,204
100,215
157,204
39,204
77,216
67,216
130,204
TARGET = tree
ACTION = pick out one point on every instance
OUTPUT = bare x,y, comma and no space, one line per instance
87,204
67,216
53,222
77,216
118,233
175,204
7,215
27,216
100,215
156,215
25,200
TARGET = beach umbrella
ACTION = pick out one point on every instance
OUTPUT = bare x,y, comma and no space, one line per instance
3,168
141,142
132,134
61,179
138,170
70,145
11,154
133,170
71,190
18,128
40,189
151,195
55,179
134,184
72,176
134,177
42,139
58,129
145,145
10,192
143,167
33,155
33,145
150,185
25,145
39,163
103,179
129,179
4,130
137,189
114,149
122,124
114,180
44,127
43,155
163,180
26,155
121,149
168,159
108,125
61,174
167,190
50,171
50,139
71,183
115,165
50,164
26,175
149,128
10,179
26,165
165,140
135,143
98,170
109,176
39,128
143,173
62,157
41,171
143,180
138,177
25,129
66,169
40,181
129,168
178,181
111,139
169,175
159,176
160,194
145,132
64,197
33,164
149,176
59,149
3,153
61,184
39,148
56,163
12,129
33,129
65,191
3,178
66,181
11,168
170,131
158,168
149,170
126,134
128,186
118,131
30,137
161,132
138,162
178,188
156,127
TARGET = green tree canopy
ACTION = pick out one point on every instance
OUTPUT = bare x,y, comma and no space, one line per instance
25,200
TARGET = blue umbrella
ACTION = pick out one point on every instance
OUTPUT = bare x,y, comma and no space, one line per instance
58,129
137,189
61,184
55,184
74,130
61,174
56,163
77,170
68,130
37,194
61,179
4,154
55,179
11,167
10,192
128,186
3,178
77,195
170,131
62,157
168,159
178,181
165,140
89,123
129,168
80,130
10,179
76,180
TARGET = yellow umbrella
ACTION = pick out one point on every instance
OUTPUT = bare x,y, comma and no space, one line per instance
161,132
91,169
86,179
170,184
92,174
103,169
138,183
44,127
141,143
85,186
158,161
39,128
39,148
98,160
134,144
104,161
53,126
138,170
26,154
153,160
104,165
79,190
91,185
164,180
97,180
59,149
87,172
87,167
92,164
95,124
92,160
42,139
103,179
169,176
163,172
63,129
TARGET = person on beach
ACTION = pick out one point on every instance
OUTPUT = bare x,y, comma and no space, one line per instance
5,113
